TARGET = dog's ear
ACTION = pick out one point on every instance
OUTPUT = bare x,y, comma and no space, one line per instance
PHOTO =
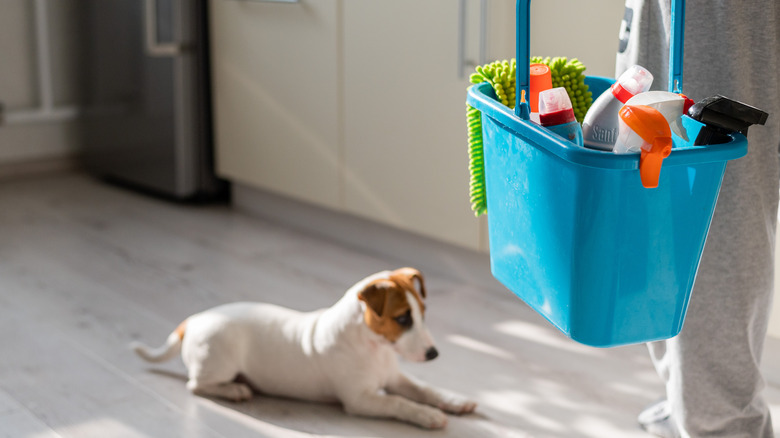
375,295
411,275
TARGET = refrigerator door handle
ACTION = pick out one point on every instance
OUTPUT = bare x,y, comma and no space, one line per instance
153,46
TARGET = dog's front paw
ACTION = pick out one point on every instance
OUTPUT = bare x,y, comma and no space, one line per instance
458,405
430,418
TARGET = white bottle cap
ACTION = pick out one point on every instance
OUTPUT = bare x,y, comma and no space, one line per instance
633,81
555,107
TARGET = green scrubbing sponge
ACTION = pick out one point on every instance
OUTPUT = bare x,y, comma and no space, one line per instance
501,76
569,75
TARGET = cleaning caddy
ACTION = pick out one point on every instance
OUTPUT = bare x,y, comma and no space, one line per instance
575,234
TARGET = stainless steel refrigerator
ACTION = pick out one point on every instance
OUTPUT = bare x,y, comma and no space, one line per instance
146,107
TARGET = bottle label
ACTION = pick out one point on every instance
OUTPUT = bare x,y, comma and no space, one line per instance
603,138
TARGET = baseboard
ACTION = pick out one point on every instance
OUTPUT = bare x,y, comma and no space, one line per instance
14,170
405,248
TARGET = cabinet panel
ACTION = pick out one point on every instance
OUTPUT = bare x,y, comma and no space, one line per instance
405,154
275,75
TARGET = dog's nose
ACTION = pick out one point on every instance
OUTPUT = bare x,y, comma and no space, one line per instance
431,353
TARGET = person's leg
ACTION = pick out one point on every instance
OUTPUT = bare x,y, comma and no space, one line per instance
714,381
711,369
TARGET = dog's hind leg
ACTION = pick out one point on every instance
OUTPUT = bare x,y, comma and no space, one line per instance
211,364
217,381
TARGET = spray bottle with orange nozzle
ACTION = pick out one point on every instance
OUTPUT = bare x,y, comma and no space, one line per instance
644,129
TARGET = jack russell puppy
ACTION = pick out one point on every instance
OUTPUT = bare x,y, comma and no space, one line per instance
345,353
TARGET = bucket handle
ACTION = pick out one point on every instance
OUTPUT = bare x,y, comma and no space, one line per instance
676,39
523,49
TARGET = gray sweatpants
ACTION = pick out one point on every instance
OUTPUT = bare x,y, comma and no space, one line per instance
711,369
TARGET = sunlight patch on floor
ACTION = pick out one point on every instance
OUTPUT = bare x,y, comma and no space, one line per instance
594,427
112,427
480,347
519,404
542,335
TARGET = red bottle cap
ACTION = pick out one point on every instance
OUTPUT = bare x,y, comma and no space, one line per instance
541,79
633,81
688,103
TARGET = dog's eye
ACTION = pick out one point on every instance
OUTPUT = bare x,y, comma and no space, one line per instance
404,320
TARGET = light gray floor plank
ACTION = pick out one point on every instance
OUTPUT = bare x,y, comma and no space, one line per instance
76,396
86,267
18,421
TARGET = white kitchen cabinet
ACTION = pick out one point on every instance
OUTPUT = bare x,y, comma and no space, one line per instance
275,73
405,148
356,105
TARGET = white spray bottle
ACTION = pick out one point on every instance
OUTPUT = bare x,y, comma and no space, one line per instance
600,126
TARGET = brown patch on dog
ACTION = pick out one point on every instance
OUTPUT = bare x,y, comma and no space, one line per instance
408,276
405,277
386,300
181,329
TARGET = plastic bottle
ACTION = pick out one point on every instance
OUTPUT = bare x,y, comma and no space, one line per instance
644,129
540,80
557,115
670,105
600,126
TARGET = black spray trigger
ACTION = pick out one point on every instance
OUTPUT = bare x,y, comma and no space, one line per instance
722,116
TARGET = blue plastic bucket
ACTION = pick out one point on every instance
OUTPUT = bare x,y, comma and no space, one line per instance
575,234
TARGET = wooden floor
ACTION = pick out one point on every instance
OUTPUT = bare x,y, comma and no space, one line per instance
85,268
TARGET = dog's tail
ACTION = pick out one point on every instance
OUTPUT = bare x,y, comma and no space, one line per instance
164,352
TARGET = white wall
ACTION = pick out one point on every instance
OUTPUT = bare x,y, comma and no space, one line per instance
19,81
587,30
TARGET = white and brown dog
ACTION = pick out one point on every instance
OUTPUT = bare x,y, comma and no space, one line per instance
345,353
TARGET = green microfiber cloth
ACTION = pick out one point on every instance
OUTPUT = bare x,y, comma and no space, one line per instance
501,76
